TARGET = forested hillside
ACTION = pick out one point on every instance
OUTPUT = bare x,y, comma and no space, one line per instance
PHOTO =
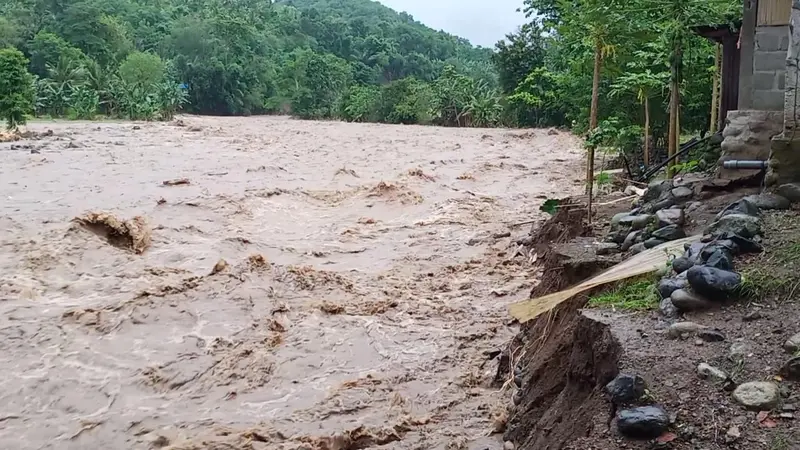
617,68
315,59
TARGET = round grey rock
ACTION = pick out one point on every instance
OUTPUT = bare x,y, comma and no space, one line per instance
626,388
790,191
644,422
669,233
637,222
683,329
712,373
758,395
740,224
686,300
769,201
792,345
791,370
682,264
668,309
682,193
712,283
669,285
672,216
638,248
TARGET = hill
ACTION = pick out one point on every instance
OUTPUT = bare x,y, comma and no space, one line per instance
235,56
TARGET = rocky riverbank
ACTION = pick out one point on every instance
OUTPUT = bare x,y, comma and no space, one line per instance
711,362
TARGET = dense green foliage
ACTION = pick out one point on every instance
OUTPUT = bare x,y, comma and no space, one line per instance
546,68
310,58
16,88
357,60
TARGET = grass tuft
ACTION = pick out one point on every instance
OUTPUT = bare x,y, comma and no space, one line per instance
633,295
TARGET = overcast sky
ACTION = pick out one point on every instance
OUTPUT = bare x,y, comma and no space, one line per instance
483,22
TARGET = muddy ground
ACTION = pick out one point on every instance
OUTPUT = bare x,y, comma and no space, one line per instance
294,284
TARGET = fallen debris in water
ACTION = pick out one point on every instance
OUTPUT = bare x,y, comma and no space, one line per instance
133,234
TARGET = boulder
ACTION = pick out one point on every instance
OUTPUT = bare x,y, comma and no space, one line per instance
710,335
790,191
792,345
653,243
669,233
791,370
637,248
644,422
712,283
682,264
720,259
667,309
626,388
683,329
657,190
712,373
630,239
669,285
769,201
744,245
671,216
619,216
606,248
758,395
682,193
741,224
637,222
686,300
742,206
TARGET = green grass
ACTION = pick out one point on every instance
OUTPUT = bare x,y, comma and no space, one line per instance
632,295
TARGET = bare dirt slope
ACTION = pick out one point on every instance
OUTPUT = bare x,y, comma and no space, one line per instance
366,273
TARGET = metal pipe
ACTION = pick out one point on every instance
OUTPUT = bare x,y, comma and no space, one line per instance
736,164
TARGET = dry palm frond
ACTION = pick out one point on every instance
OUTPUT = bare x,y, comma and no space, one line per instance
645,262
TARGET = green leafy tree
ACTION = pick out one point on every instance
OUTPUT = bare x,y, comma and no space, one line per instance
16,88
146,69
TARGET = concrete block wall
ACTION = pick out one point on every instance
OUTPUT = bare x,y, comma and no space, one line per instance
769,67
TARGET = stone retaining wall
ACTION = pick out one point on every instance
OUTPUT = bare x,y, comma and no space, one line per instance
747,136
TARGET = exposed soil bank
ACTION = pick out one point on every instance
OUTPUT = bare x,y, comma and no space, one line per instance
291,285
565,359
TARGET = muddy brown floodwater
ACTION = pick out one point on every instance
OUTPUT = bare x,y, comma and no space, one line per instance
366,274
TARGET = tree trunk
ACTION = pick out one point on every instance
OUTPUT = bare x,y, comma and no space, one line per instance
646,131
714,125
674,106
598,61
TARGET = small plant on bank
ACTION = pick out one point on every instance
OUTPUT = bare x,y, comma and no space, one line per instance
633,295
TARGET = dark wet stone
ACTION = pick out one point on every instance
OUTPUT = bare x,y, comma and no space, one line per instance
791,370
672,216
669,233
657,190
769,201
668,310
693,250
626,388
720,244
630,239
744,225
637,248
743,244
518,381
712,283
740,207
653,242
790,191
710,335
686,300
669,285
752,316
517,397
792,345
617,236
637,222
644,422
663,204
607,248
720,259
619,216
682,193
682,264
